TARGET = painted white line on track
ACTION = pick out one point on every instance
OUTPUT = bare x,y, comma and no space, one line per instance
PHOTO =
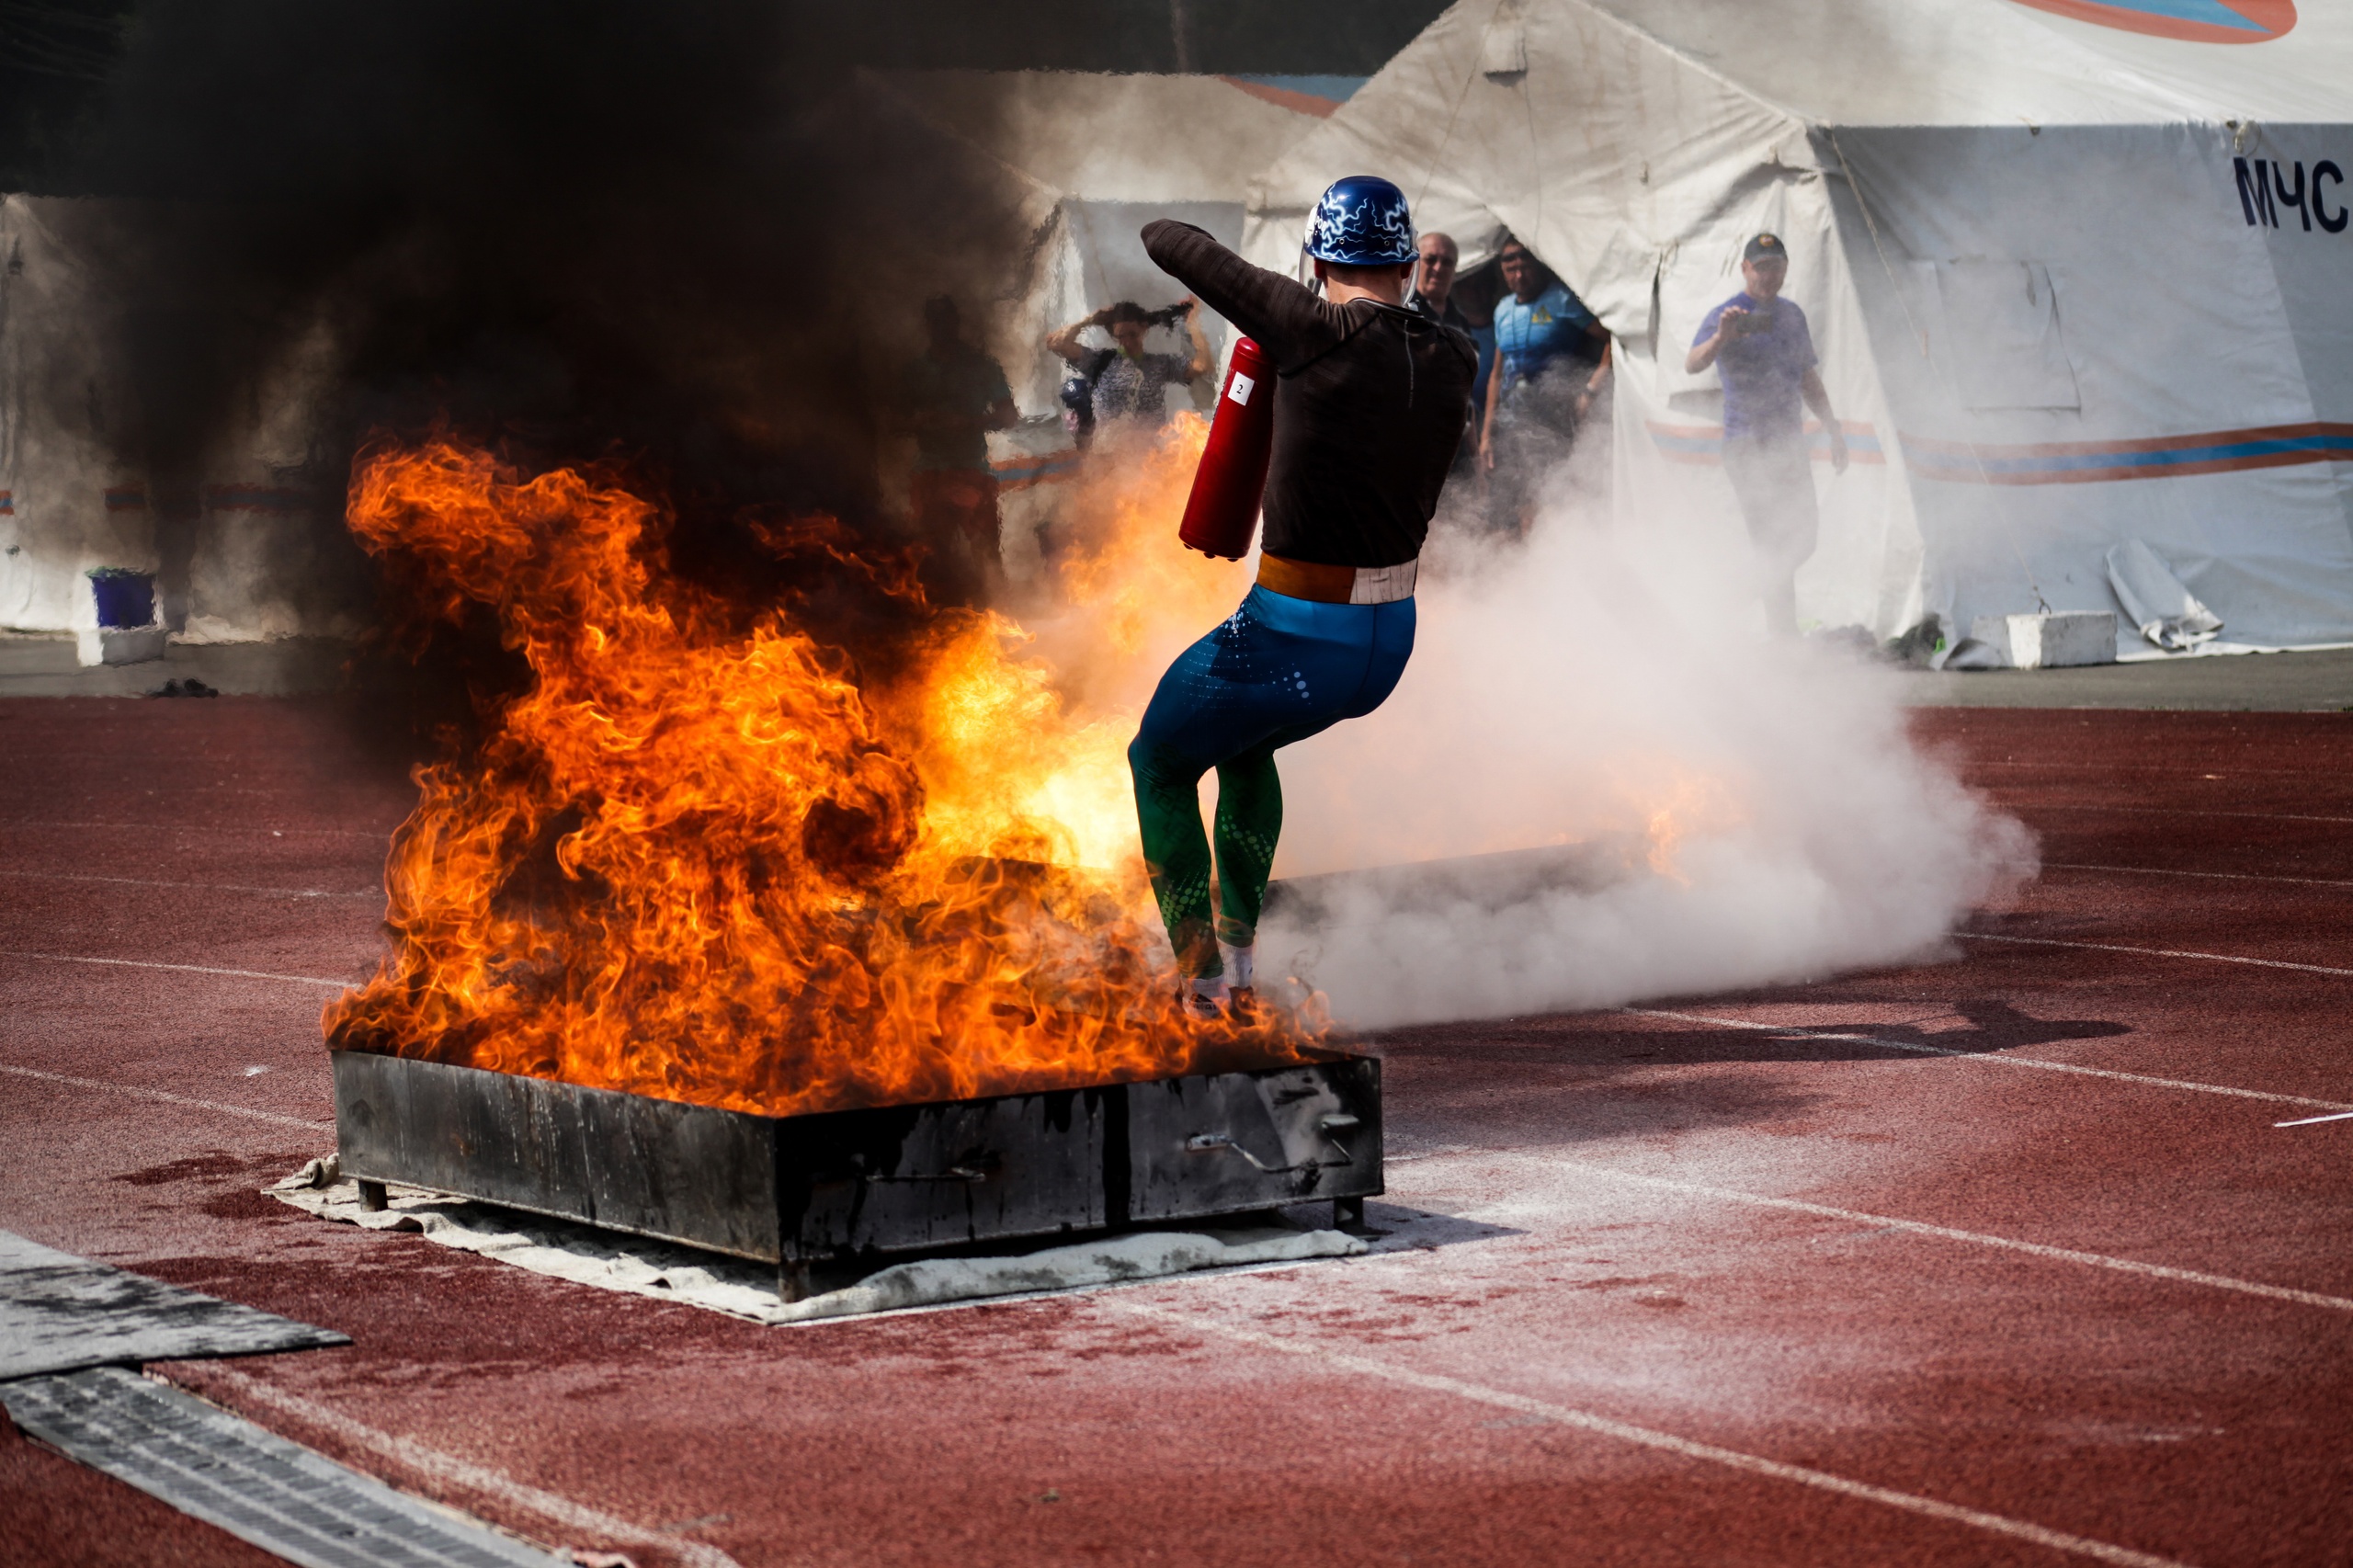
2212,876
2161,811
2153,952
2307,1122
205,887
1993,1058
448,1470
1975,1238
2164,775
183,967
168,1098
210,828
1649,1438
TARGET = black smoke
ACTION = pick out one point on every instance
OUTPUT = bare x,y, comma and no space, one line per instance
581,232
680,241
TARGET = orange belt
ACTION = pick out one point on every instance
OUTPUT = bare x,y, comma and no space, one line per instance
1336,584
1306,579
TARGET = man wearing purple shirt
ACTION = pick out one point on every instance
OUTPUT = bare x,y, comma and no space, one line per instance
1760,346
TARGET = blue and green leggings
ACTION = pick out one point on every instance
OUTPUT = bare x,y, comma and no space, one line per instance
1278,670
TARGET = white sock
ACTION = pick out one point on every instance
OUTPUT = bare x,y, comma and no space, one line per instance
1241,963
1210,988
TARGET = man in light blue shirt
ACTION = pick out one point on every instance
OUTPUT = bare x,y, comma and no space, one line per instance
1551,358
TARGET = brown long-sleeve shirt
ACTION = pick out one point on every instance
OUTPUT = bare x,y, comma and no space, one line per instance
1369,404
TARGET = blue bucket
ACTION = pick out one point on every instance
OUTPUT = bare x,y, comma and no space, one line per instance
126,599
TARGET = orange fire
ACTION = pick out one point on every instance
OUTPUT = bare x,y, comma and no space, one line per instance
1675,805
713,865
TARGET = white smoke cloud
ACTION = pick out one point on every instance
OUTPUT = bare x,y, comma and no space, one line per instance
1721,810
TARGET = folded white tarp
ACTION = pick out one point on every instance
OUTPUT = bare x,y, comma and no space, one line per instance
2154,601
642,1267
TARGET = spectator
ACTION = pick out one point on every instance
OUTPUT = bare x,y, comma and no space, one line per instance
1474,298
1764,353
1433,292
1551,358
1433,296
1129,383
951,397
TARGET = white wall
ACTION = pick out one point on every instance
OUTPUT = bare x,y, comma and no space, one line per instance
251,548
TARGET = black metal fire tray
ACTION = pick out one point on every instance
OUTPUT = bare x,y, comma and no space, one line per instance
842,1185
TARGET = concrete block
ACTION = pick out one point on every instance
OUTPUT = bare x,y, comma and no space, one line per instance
2050,642
120,644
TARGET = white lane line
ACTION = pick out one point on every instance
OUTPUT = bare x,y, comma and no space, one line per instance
2161,811
2307,1122
183,967
2153,952
1975,1238
1993,1058
2163,774
1649,1438
209,828
450,1471
2212,876
168,1098
207,887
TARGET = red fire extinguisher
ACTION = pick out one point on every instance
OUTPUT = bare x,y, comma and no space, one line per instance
1223,511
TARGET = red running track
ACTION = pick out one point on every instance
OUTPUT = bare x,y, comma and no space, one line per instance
1997,1260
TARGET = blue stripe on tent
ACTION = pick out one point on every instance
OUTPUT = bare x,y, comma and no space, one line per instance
1018,473
2206,13
2320,446
1338,89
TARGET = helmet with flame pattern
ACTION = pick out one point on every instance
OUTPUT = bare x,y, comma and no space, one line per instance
1360,221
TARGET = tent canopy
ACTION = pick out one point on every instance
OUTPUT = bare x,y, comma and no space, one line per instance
1110,153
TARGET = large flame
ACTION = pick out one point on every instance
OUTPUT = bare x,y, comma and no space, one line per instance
713,865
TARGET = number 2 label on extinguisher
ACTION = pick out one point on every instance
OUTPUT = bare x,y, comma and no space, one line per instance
1240,389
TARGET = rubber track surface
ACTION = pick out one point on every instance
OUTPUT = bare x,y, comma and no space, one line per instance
1769,1295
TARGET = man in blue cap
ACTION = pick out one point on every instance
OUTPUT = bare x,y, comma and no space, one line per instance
1369,398
1762,350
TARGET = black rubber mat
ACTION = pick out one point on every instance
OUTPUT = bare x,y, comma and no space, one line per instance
60,1312
253,1484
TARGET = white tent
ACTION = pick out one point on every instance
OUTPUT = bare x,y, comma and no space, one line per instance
1113,153
1096,156
2075,278
248,548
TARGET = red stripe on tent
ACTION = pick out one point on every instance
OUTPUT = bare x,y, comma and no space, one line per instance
1020,473
1027,480
7,503
2102,475
2093,462
1285,97
2147,444
2272,18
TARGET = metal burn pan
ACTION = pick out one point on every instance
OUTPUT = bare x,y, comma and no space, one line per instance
843,1186
1227,1143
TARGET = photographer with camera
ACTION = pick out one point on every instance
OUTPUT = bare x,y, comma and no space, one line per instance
1762,349
1127,383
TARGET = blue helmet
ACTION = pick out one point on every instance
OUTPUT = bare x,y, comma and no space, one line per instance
1362,222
